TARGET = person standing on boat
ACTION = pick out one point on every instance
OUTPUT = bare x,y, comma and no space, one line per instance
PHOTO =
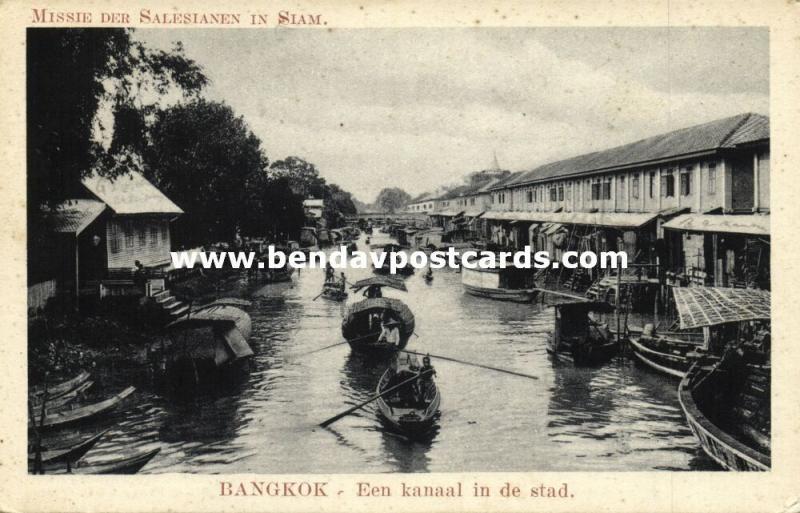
373,291
389,332
343,283
328,272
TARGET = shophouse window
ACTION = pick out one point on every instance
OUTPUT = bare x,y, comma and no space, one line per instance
553,194
560,193
712,179
596,188
635,186
667,184
607,189
652,184
128,235
113,240
686,182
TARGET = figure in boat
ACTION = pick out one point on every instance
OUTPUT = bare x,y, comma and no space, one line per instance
413,408
366,322
580,338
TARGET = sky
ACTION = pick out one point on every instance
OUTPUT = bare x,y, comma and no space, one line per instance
419,108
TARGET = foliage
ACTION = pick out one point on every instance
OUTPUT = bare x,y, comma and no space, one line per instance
392,199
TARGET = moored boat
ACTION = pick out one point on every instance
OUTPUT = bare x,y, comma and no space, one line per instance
361,325
670,353
64,400
411,409
579,338
53,458
125,465
59,389
509,284
726,396
82,413
211,337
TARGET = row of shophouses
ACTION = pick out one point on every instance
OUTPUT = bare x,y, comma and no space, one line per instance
692,204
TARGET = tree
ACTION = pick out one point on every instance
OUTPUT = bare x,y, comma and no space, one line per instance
73,75
338,205
211,165
392,199
302,176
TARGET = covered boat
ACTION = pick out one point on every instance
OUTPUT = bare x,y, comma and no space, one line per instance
215,334
509,284
726,399
412,408
361,325
385,267
579,338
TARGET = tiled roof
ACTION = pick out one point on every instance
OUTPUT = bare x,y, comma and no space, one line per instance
73,216
723,133
130,194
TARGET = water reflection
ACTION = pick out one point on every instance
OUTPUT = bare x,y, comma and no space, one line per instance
615,417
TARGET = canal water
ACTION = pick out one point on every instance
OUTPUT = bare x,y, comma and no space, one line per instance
616,417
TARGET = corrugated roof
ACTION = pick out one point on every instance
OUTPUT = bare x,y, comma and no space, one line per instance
612,219
74,216
727,132
745,224
130,194
710,306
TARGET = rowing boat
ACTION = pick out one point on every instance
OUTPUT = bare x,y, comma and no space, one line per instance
509,284
60,389
578,338
64,417
64,400
411,409
333,292
53,458
127,465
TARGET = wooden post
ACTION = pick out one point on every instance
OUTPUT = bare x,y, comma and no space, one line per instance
619,293
756,191
77,275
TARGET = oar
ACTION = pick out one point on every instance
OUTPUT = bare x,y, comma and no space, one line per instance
559,293
514,373
337,344
373,398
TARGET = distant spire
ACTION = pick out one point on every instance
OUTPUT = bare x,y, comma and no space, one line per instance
495,164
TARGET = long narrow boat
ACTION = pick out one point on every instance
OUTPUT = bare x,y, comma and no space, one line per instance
729,413
578,338
670,353
64,400
83,413
127,465
509,284
726,399
361,325
333,292
413,408
53,458
60,389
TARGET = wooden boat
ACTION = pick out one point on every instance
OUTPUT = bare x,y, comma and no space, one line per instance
216,334
60,389
509,284
65,400
578,338
727,406
413,408
670,353
127,465
386,268
333,292
82,413
53,457
361,325
726,398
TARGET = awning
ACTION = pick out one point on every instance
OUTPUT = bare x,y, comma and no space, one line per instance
74,216
748,224
611,219
709,306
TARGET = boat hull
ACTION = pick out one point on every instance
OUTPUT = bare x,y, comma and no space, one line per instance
585,354
675,363
513,295
363,336
697,387
412,422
